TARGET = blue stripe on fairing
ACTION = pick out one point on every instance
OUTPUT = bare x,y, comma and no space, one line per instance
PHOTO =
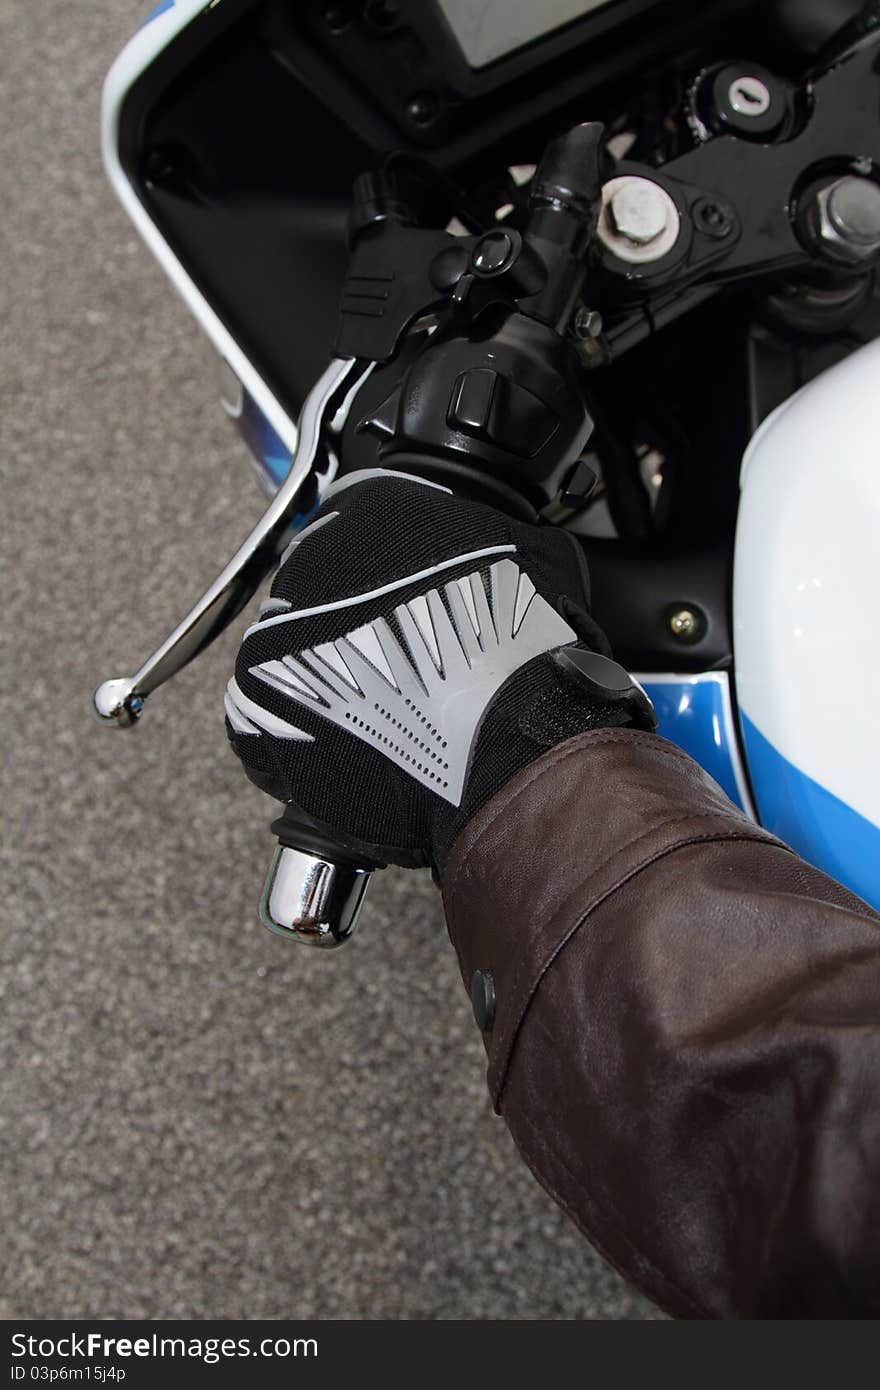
692,714
277,466
264,441
811,819
162,6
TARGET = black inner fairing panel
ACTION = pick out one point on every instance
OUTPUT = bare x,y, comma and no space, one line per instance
244,136
243,139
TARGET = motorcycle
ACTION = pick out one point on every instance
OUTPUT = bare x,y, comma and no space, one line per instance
580,261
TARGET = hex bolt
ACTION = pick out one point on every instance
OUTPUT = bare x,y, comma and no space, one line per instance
638,211
854,210
749,96
639,222
845,219
587,323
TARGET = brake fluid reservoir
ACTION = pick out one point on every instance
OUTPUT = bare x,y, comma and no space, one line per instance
806,608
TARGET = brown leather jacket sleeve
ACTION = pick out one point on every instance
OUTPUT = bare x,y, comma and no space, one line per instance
686,1044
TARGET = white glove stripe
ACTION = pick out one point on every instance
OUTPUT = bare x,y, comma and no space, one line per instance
384,589
252,713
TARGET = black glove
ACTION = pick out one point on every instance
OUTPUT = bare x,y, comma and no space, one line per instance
416,652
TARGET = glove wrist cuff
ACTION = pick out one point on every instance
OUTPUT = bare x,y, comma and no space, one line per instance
568,691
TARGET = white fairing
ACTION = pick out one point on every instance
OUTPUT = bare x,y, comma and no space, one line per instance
807,582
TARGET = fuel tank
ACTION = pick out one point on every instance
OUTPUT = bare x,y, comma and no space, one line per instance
806,609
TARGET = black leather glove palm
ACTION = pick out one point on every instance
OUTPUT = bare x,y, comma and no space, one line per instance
416,652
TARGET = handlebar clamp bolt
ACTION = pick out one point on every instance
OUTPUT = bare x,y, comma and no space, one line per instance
639,221
638,211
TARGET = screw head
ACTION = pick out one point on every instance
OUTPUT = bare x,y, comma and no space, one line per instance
684,624
713,218
638,211
749,96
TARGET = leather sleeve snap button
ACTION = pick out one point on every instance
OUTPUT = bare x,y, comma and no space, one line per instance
483,999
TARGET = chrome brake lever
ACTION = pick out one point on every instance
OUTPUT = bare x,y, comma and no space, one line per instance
118,703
